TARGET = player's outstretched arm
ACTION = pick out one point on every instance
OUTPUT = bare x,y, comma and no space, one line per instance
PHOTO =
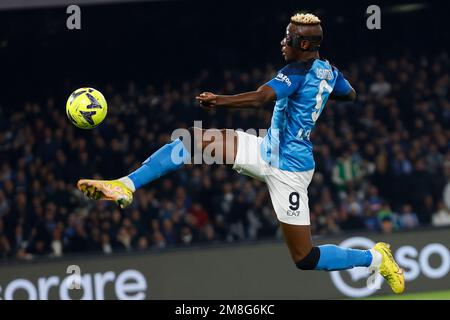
351,96
247,100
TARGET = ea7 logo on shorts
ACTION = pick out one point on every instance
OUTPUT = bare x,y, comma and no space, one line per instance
281,77
293,213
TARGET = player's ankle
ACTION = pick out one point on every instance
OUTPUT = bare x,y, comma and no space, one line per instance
128,183
376,259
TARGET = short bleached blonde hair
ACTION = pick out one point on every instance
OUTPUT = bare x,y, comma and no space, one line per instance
305,18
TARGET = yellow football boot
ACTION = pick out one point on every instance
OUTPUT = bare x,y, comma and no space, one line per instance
389,269
112,190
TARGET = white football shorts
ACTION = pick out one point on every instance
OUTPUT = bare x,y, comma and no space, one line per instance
288,190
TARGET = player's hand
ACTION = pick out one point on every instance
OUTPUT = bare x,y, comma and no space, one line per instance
207,99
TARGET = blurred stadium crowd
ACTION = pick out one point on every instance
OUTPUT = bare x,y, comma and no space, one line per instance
382,164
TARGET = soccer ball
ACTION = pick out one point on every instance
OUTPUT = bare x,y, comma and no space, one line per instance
86,108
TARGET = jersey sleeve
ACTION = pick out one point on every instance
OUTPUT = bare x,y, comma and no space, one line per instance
287,81
342,86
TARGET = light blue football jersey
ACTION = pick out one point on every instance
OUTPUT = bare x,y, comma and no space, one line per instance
302,90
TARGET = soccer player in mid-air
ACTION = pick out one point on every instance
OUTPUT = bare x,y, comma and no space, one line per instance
283,159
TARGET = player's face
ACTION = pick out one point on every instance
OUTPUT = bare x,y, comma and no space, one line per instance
289,53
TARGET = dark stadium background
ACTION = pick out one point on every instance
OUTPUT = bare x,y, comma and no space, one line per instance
155,41
123,48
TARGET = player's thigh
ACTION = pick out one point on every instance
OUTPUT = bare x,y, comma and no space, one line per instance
230,145
298,240
218,145
289,195
248,160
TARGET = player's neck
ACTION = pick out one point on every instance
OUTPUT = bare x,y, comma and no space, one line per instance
306,56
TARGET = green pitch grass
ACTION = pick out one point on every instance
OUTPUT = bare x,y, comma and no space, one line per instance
437,295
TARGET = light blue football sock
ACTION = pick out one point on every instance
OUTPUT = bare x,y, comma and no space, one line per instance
338,258
168,158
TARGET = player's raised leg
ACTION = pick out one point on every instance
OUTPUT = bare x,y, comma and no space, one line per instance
330,257
168,158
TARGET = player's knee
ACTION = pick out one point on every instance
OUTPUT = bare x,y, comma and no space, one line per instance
195,142
309,262
194,131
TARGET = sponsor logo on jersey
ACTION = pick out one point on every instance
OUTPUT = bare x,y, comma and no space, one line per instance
283,78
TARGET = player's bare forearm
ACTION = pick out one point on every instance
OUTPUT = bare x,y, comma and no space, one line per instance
247,100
